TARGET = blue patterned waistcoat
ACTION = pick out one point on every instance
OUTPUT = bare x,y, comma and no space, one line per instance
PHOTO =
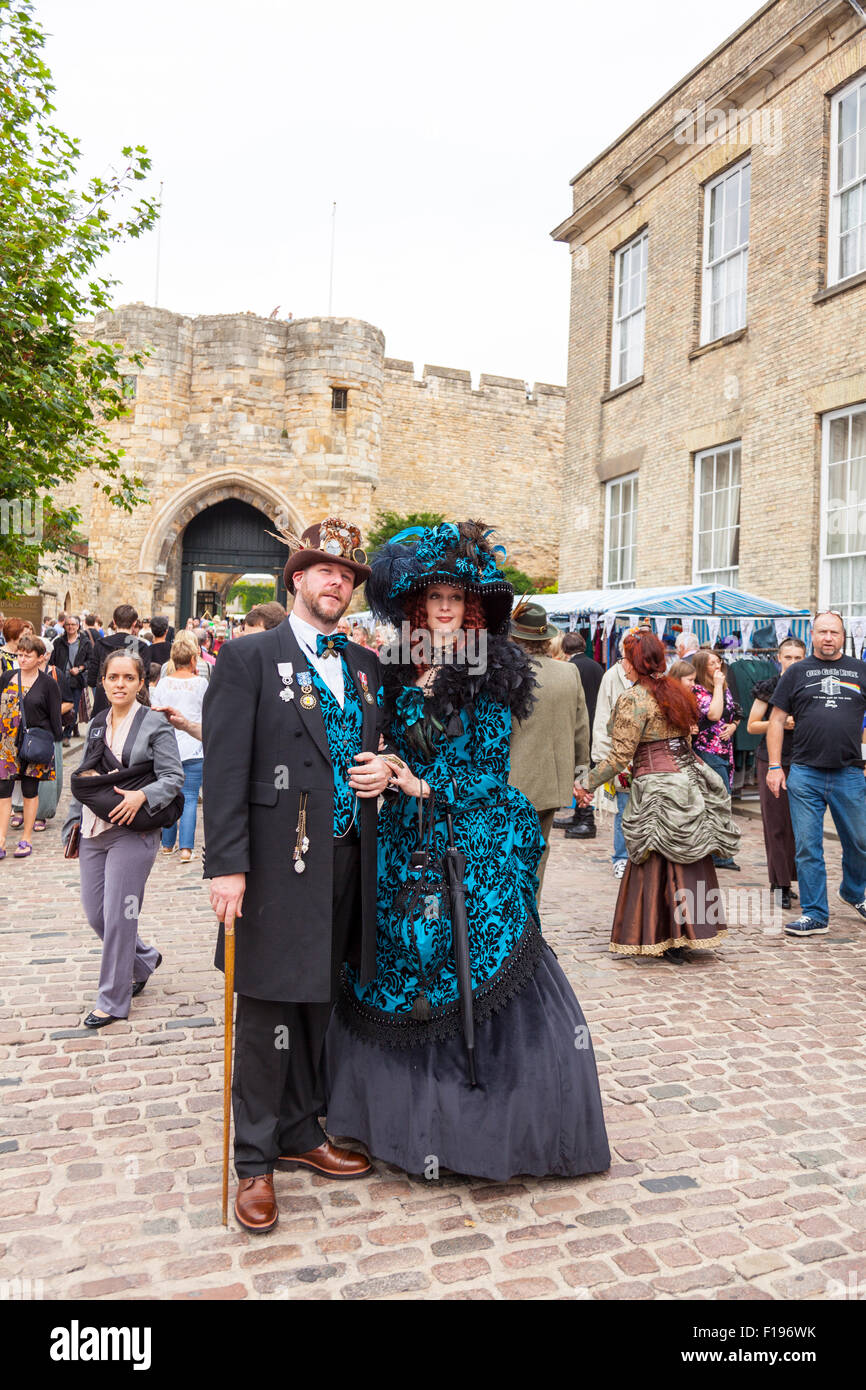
343,730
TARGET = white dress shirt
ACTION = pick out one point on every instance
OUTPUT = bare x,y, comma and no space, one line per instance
330,668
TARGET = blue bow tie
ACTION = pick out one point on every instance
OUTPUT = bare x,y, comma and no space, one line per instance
331,646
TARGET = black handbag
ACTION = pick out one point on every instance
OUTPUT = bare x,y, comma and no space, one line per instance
34,745
100,776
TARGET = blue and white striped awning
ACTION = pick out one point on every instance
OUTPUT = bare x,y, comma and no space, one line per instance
698,601
714,600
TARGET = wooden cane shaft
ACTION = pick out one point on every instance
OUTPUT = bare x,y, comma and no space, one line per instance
227,1061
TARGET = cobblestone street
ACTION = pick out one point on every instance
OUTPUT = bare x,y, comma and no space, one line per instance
734,1091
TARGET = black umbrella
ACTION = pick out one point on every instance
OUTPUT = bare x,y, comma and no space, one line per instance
455,870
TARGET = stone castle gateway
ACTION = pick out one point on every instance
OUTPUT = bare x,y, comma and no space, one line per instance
236,421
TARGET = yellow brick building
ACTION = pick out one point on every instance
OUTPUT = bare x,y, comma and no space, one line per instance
716,395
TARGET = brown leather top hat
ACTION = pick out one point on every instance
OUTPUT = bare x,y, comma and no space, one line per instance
529,623
322,544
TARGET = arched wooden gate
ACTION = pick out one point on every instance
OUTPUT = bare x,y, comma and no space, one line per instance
230,538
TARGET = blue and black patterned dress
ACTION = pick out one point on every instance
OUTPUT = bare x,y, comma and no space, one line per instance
395,1061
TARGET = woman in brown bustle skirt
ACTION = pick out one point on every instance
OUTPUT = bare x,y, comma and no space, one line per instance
678,815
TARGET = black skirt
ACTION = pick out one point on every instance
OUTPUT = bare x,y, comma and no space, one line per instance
536,1109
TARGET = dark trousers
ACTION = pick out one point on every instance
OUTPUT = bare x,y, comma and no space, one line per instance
778,830
276,1088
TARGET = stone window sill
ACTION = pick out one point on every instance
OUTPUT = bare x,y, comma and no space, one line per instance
717,343
621,390
832,290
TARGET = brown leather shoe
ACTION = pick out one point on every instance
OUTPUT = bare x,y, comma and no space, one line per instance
329,1161
255,1205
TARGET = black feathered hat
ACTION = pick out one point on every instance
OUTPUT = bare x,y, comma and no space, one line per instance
455,554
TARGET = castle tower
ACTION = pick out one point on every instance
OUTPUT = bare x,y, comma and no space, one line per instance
284,417
334,386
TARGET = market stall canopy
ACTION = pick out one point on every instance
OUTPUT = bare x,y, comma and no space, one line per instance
699,601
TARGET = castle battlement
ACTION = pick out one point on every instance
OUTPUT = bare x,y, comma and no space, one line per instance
460,381
308,417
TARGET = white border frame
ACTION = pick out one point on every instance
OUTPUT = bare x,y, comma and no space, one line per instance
613,482
824,560
697,459
705,251
833,231
614,321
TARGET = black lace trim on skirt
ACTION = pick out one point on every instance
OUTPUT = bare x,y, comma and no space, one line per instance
400,1030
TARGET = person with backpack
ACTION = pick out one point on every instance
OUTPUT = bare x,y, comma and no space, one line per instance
123,638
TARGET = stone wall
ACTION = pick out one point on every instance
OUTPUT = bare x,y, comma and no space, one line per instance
235,406
801,353
493,454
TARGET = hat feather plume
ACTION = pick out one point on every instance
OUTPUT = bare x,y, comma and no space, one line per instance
286,537
522,605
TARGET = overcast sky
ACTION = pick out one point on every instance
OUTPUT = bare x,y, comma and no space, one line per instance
446,134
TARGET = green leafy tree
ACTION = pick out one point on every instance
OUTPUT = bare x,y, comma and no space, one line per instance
250,595
390,524
523,584
57,391
520,582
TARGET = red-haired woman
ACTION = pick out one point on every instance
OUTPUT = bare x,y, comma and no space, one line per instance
678,816
452,684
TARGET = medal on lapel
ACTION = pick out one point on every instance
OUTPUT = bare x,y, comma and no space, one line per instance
286,671
305,681
365,690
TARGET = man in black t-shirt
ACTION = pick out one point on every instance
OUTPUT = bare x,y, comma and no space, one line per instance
124,637
826,694
160,647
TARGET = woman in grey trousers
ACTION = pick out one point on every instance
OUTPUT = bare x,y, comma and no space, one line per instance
115,861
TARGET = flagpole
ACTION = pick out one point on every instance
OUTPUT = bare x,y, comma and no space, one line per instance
333,238
158,249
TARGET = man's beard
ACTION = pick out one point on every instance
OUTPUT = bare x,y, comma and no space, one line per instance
317,608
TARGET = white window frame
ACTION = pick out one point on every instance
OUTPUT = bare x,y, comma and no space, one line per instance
610,487
636,315
738,252
837,192
825,563
712,576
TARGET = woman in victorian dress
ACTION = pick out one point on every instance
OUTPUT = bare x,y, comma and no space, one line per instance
451,686
677,818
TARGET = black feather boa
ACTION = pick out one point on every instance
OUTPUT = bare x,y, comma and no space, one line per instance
507,680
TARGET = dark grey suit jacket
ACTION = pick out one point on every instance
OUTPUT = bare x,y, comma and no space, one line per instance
260,754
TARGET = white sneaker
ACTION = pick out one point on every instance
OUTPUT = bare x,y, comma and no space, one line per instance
859,908
619,867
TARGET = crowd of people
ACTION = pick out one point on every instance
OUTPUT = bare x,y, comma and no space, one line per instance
809,717
70,653
377,824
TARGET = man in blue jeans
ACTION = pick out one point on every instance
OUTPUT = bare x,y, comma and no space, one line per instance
826,695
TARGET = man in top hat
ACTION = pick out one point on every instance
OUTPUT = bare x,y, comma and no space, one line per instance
291,730
548,746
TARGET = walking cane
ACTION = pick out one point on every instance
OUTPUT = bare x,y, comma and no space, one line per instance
455,873
227,1057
